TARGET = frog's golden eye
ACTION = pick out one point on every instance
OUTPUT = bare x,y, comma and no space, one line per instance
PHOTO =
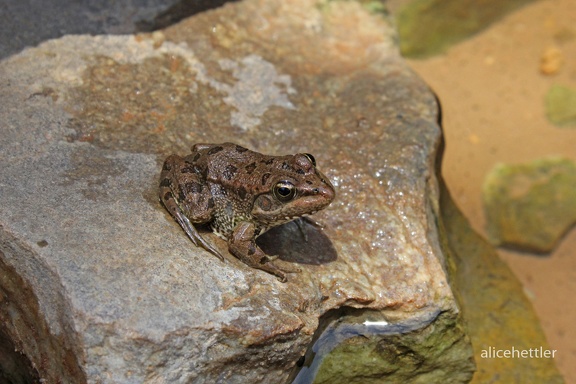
311,158
284,191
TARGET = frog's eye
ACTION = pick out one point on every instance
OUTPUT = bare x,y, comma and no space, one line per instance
311,158
284,191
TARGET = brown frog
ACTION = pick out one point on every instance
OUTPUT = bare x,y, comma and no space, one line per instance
241,194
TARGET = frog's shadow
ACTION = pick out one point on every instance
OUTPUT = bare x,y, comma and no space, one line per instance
302,243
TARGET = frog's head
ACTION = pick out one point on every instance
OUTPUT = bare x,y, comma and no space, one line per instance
293,188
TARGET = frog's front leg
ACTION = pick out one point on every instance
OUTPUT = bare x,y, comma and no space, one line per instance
242,244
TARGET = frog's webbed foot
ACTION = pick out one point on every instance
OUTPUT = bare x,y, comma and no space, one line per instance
242,244
188,227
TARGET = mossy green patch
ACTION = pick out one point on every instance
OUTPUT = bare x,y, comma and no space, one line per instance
530,206
375,6
561,106
429,27
496,312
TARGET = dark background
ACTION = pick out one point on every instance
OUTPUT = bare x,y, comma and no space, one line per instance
25,23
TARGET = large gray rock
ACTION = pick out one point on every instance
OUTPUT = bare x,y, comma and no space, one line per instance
101,285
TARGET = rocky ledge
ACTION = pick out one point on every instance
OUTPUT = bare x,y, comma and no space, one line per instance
100,284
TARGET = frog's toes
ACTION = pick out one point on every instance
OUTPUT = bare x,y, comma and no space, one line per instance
286,266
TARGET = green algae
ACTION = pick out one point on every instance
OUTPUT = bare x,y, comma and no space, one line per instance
560,104
439,352
530,206
496,312
429,27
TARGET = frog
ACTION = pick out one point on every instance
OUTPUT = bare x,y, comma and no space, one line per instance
240,194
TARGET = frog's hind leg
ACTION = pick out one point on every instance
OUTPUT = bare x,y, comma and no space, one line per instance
193,234
166,195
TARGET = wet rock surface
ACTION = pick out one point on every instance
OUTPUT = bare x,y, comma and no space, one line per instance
116,288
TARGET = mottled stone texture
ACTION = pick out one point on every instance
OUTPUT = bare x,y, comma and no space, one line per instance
111,289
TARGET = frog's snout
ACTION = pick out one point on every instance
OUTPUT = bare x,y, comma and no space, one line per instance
326,191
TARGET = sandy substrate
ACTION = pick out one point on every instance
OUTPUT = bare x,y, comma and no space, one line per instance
492,91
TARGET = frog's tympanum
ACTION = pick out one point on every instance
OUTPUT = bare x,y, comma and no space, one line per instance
241,194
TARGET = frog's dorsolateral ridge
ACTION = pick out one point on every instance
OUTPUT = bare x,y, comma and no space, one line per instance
241,194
